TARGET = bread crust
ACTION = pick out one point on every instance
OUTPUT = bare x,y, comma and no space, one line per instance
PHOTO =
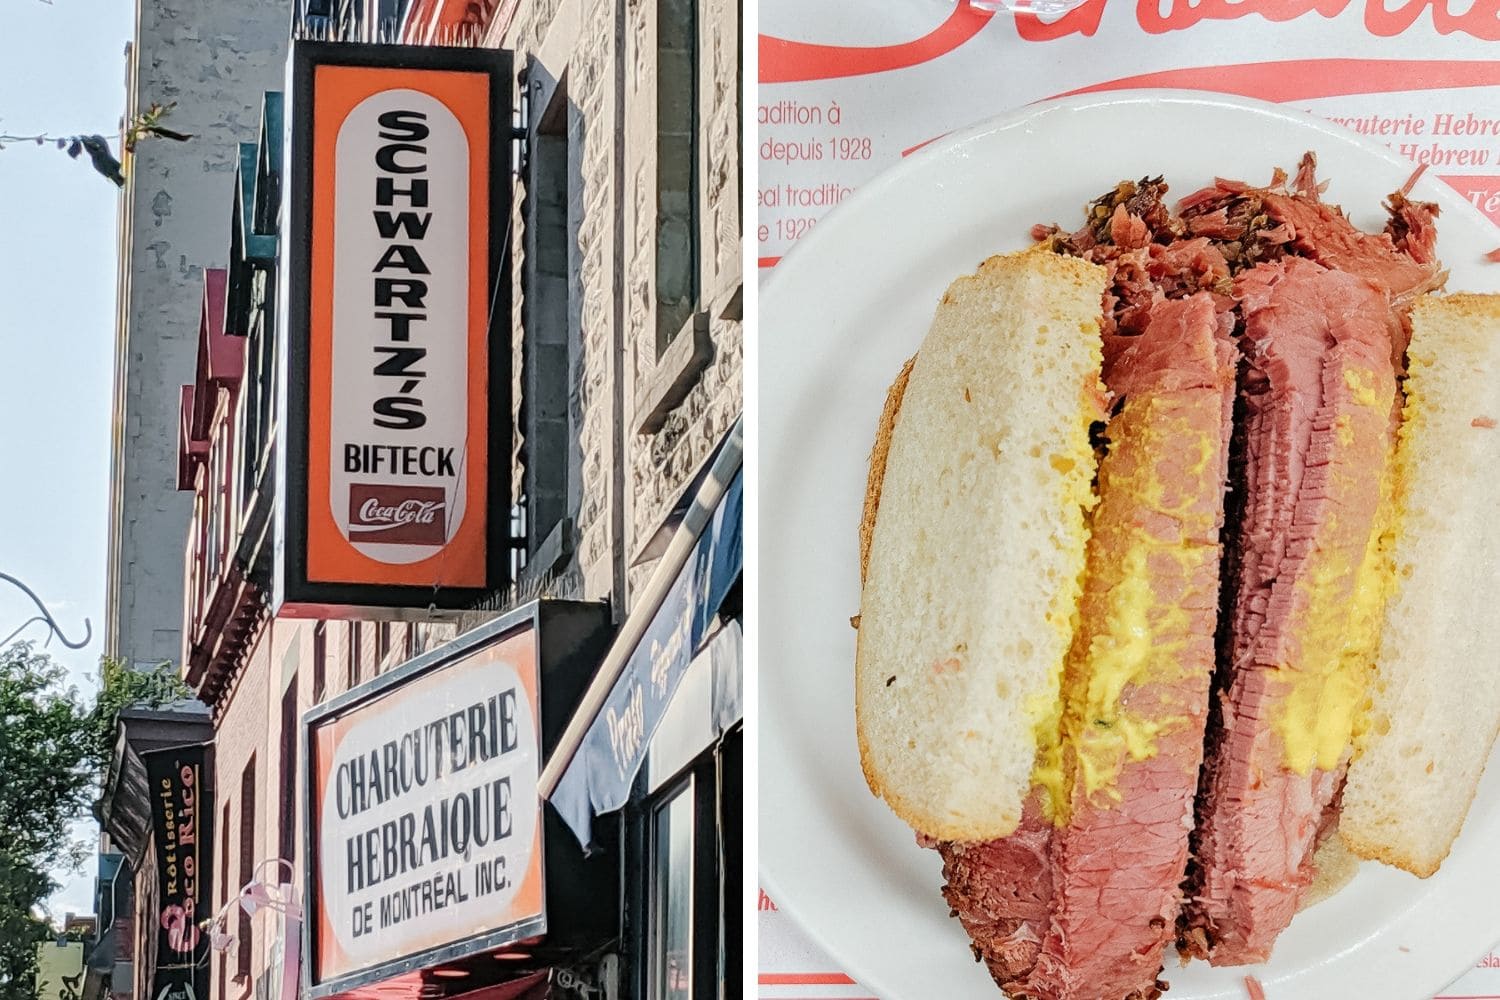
878,455
1334,866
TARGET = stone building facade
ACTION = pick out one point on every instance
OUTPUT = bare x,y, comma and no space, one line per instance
212,60
627,359
628,273
628,343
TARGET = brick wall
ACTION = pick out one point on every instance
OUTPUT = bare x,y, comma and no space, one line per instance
243,731
251,724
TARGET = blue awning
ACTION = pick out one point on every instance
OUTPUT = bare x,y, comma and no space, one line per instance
599,777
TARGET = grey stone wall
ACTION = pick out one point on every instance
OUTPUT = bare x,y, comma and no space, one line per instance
664,462
214,58
593,132
622,483
568,48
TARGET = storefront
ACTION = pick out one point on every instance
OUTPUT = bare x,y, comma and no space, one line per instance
432,869
654,755
157,810
406,462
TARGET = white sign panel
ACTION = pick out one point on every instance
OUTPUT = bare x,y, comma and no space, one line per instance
399,405
426,819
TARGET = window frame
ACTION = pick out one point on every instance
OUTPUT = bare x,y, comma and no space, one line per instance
700,781
245,946
540,512
354,643
382,644
320,662
682,791
286,835
666,336
680,345
224,891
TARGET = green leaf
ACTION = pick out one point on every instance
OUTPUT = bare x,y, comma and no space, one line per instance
55,749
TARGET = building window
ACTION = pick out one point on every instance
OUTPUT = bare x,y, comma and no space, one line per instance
225,893
677,214
320,662
683,850
731,820
382,645
247,867
258,386
672,897
354,649
547,317
520,554
287,846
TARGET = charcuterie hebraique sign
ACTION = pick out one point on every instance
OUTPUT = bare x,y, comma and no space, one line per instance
426,827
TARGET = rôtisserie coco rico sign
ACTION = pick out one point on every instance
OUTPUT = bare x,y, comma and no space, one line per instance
398,394
181,814
426,828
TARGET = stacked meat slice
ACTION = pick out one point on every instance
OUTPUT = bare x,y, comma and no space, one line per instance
1138,678
1318,397
1322,322
1069,909
1207,703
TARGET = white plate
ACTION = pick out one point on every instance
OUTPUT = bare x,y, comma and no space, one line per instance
838,317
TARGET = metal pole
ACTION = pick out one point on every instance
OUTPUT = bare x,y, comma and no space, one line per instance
88,630
23,627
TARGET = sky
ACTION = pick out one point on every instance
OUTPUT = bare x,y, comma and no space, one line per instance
62,72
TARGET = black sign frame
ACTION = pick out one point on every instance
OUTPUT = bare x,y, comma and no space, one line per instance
167,764
294,595
527,617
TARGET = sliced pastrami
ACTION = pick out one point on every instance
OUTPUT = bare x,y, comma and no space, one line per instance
1321,233
1000,891
1255,225
1085,909
1138,278
1317,398
1138,678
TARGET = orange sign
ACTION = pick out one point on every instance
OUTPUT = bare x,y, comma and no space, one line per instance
426,826
397,396
398,294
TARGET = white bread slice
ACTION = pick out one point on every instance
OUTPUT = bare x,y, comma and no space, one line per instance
1333,868
978,544
1435,703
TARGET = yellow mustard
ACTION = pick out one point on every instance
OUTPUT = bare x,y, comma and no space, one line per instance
1361,382
1046,707
1340,633
1129,634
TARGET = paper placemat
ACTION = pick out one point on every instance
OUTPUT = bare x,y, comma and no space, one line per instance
845,94
848,89
792,967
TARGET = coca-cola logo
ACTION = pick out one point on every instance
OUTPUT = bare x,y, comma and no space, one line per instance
403,515
406,512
